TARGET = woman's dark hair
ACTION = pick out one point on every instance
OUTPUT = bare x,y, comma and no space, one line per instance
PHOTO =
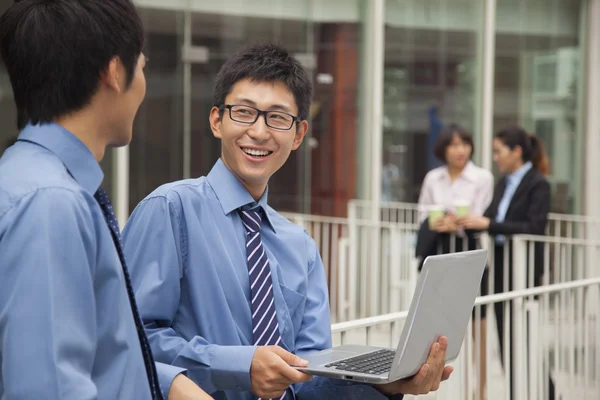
531,146
445,139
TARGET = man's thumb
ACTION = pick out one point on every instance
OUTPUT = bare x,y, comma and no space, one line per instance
290,358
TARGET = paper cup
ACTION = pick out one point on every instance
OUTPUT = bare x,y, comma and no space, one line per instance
461,208
435,212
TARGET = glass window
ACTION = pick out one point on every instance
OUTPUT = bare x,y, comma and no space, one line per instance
156,150
8,112
431,79
320,176
538,85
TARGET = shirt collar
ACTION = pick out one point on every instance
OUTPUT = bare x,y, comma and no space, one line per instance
468,172
518,175
232,194
71,151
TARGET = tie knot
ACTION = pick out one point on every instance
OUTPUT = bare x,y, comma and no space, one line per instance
251,219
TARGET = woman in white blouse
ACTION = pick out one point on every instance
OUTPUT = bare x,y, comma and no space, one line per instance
458,185
458,181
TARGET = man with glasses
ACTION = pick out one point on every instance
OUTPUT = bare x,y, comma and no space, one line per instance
227,288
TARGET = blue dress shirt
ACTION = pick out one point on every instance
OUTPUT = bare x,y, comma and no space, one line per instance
66,326
512,183
186,247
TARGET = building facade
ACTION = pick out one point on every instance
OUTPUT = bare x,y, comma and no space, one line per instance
387,75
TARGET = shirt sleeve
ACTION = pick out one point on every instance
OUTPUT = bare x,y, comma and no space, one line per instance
425,197
47,306
155,243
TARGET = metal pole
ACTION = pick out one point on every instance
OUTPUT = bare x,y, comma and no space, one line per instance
187,94
121,184
592,124
377,21
487,108
377,16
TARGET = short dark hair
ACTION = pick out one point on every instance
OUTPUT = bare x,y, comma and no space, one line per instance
445,138
265,63
55,52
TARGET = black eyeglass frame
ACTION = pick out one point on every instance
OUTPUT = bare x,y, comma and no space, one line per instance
295,119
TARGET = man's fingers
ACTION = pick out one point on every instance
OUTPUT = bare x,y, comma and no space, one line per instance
443,341
447,372
421,376
290,358
294,375
286,371
433,352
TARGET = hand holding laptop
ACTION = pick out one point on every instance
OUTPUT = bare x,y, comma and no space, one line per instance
271,372
429,377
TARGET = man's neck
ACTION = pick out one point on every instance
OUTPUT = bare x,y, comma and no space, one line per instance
86,128
256,191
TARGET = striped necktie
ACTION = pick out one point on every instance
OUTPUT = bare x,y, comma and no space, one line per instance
265,328
111,220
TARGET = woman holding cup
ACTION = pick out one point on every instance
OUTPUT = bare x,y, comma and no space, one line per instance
455,190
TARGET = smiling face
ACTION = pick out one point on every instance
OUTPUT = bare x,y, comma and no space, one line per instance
254,152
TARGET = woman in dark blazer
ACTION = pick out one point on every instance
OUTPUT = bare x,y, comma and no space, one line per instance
520,205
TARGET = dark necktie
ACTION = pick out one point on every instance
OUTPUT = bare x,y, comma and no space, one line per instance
111,220
265,328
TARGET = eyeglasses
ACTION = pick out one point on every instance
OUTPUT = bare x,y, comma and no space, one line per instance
248,115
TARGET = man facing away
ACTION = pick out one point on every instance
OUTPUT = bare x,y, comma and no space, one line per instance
69,325
228,288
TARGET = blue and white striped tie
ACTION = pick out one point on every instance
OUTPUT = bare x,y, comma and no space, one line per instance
265,328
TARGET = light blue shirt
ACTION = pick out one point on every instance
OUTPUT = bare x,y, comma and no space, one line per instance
66,326
186,247
512,183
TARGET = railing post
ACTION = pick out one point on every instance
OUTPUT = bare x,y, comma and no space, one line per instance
396,302
535,341
519,272
353,248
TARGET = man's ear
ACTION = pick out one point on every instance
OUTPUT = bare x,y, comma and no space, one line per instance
301,130
216,121
111,77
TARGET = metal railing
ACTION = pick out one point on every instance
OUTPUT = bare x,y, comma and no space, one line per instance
370,266
372,269
544,345
559,225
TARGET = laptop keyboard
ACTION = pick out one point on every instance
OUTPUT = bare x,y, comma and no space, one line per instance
376,363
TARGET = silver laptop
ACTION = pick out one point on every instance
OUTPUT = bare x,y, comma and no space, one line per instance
441,306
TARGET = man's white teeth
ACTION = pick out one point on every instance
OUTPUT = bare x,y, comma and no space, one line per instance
253,152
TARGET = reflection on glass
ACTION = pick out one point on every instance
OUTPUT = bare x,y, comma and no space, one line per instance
8,112
432,79
538,85
320,176
156,148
